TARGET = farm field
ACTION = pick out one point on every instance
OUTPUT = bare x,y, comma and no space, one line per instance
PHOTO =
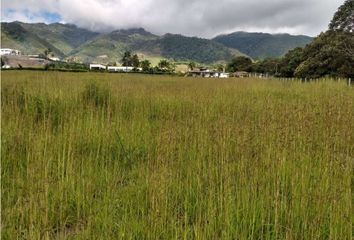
124,156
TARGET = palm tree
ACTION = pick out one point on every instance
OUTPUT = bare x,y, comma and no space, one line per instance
192,65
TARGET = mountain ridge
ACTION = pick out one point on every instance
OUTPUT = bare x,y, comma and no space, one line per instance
263,45
70,41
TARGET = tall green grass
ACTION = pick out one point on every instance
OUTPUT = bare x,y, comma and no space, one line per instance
116,156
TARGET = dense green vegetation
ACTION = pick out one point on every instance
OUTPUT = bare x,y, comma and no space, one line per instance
344,18
263,45
67,66
112,46
132,60
331,54
240,64
169,46
181,48
117,156
71,42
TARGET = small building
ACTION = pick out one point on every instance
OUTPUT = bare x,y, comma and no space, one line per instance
54,59
6,66
94,66
122,69
203,72
241,74
9,51
224,75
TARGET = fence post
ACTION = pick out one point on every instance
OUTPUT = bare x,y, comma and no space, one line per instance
349,82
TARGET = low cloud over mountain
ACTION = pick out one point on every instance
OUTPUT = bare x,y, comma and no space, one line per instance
205,18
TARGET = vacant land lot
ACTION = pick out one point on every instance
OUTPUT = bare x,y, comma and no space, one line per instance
116,156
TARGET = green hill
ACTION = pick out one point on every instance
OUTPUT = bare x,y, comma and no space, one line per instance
35,38
69,41
111,46
181,48
263,45
65,37
14,35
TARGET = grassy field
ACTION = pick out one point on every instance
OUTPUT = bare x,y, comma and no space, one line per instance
123,156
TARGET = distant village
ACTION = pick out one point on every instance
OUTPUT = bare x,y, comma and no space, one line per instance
13,59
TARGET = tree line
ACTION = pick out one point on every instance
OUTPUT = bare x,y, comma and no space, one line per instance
330,54
129,60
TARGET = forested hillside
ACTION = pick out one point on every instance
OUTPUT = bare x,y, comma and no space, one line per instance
263,45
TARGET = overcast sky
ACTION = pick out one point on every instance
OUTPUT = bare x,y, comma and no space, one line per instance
204,18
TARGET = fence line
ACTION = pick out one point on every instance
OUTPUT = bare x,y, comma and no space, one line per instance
349,81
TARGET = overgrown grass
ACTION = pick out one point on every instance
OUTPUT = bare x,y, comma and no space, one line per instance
117,156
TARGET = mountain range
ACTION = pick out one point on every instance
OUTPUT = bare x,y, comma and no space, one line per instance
263,45
71,42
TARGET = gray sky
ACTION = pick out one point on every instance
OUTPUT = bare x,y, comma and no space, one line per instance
204,18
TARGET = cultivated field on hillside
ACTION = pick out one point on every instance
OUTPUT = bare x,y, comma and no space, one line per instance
124,156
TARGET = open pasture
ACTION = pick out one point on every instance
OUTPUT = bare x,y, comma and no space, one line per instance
124,156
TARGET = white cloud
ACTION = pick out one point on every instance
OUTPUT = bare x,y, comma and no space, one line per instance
191,17
22,17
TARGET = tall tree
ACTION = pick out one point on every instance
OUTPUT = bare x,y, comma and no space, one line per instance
135,61
332,52
267,66
240,63
127,59
327,56
47,53
166,66
163,64
290,62
192,65
344,17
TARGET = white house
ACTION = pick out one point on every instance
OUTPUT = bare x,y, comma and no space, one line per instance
206,73
224,75
241,74
122,69
9,51
6,67
94,66
55,59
